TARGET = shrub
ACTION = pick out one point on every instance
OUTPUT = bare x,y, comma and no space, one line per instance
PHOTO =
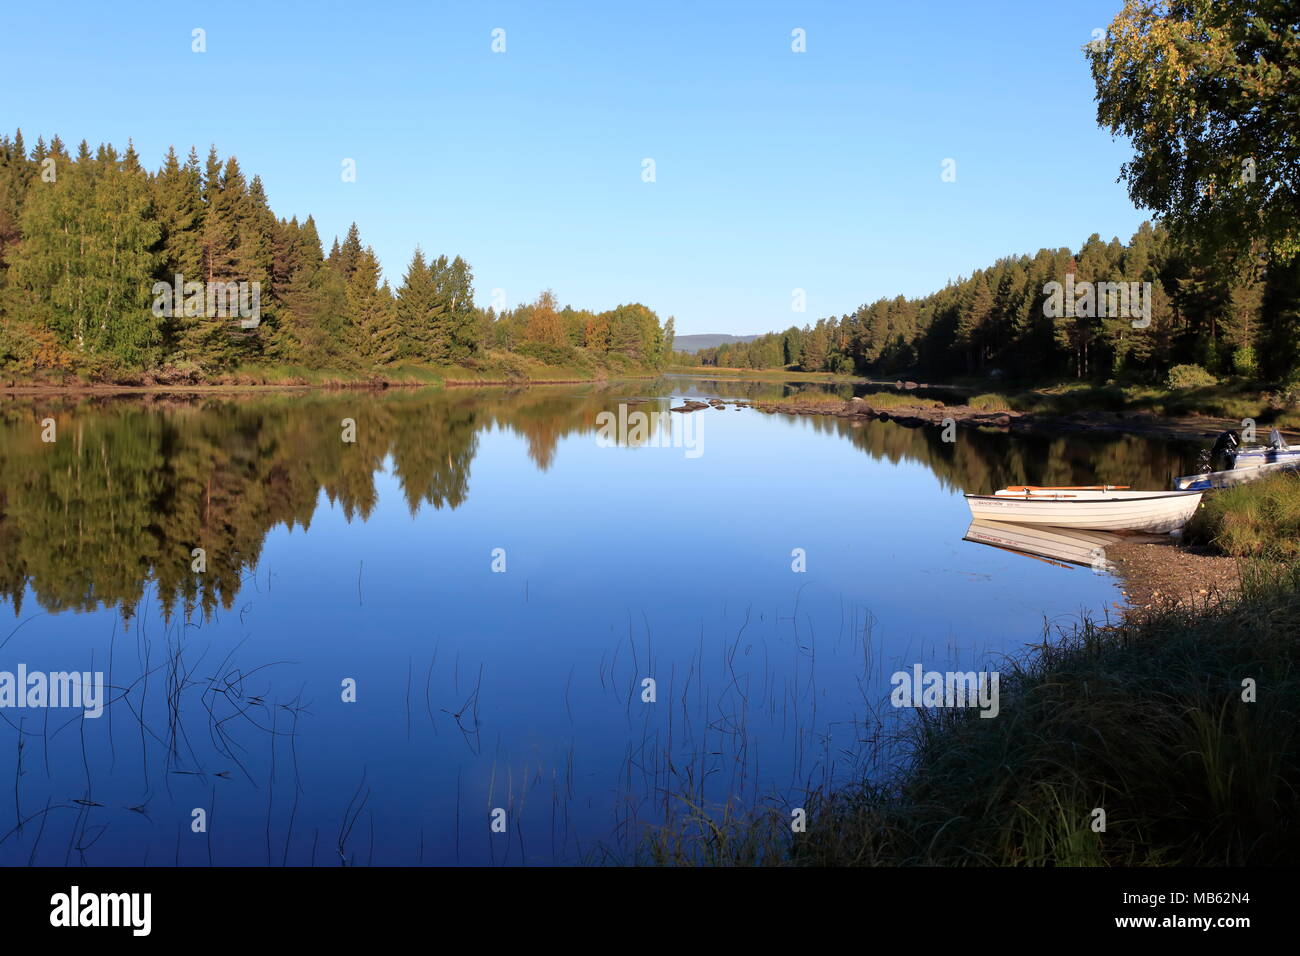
183,372
1244,361
559,355
1190,376
1291,390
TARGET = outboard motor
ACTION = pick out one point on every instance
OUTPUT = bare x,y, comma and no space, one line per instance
1225,449
1276,442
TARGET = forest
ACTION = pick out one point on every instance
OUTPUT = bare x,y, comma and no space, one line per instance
997,322
85,240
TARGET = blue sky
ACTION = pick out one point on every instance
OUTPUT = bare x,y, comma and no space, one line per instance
774,170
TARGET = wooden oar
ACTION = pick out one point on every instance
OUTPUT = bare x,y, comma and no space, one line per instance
1069,488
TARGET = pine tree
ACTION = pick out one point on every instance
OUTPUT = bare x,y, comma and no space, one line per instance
376,333
178,197
816,347
462,324
347,256
418,311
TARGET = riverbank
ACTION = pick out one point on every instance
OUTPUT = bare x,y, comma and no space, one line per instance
1257,522
1230,400
765,375
1156,575
509,371
911,412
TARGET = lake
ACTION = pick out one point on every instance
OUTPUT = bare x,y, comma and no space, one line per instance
487,629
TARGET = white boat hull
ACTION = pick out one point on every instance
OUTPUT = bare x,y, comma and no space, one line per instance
1156,512
1254,457
1237,476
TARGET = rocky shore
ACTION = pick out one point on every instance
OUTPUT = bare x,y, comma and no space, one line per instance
934,414
1158,574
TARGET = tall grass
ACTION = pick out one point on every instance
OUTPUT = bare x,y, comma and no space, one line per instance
1259,519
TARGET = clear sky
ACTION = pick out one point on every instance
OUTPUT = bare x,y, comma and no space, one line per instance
774,170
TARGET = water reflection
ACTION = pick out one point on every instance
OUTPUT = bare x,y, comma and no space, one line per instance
131,487
1069,545
372,562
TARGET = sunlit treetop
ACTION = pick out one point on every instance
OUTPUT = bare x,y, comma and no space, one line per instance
1209,93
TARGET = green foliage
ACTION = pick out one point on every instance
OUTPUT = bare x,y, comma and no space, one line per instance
1190,376
549,353
89,245
998,323
1244,361
88,242
1198,86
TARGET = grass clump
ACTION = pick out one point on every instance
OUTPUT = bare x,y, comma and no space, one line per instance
991,402
900,400
1259,519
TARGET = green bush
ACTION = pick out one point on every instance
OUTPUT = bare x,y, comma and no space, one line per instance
1291,390
1244,361
1190,376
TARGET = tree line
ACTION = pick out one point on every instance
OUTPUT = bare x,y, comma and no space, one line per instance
87,241
1202,91
1007,319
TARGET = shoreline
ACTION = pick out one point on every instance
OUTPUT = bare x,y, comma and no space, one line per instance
227,388
1157,576
917,416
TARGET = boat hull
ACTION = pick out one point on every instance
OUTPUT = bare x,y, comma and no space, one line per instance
1254,457
1237,476
1153,512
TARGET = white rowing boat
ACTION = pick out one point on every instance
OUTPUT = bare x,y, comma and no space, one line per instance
1096,507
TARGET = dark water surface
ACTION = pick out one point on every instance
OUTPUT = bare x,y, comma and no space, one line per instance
478,690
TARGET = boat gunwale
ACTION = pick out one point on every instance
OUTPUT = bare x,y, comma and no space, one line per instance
1159,496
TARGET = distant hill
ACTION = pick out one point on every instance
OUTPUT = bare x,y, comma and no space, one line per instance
693,343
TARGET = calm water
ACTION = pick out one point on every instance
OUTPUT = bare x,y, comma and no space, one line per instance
378,563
